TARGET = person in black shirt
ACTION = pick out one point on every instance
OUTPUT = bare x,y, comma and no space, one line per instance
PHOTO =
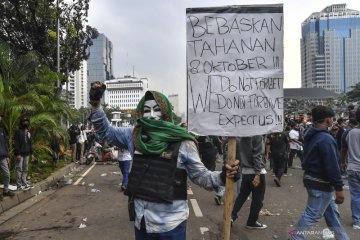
276,149
22,152
74,132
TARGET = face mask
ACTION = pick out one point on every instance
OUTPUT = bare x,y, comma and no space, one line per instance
152,110
25,124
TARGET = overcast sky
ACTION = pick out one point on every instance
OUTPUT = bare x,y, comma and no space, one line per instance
149,38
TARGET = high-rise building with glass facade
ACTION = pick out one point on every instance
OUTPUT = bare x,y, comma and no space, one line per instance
99,64
330,49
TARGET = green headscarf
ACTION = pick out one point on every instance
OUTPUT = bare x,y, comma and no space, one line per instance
159,132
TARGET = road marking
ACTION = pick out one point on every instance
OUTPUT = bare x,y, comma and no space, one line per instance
203,230
190,192
196,208
84,174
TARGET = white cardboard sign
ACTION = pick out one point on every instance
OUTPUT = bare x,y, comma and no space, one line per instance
234,58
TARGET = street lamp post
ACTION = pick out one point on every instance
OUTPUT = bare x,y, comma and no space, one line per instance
57,43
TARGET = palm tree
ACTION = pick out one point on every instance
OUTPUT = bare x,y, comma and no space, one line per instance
28,89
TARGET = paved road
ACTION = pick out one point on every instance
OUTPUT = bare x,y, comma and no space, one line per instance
285,203
103,213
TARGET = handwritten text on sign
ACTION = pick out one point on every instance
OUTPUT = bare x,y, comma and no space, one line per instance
235,71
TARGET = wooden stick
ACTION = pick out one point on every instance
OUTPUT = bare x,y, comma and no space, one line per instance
229,192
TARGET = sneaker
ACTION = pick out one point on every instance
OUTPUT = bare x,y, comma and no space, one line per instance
257,225
8,193
123,187
277,182
357,227
28,185
22,187
231,222
218,200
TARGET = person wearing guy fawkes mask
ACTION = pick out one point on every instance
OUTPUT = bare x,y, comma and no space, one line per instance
22,152
164,155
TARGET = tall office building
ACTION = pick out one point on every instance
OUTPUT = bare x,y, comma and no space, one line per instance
99,64
81,86
330,49
70,90
77,87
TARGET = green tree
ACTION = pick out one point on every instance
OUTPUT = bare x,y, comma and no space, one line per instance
354,94
37,100
31,25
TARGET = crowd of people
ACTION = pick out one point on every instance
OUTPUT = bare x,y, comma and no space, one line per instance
155,137
156,158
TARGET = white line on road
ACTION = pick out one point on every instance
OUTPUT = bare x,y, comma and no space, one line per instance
190,192
196,208
84,174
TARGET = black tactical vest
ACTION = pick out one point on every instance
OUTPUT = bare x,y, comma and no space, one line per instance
156,178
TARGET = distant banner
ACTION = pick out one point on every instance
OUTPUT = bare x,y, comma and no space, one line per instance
234,58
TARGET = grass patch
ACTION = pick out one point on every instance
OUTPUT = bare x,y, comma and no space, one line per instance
40,169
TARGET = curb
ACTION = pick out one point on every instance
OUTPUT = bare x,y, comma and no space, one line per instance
21,196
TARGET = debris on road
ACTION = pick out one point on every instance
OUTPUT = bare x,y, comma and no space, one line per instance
265,212
82,225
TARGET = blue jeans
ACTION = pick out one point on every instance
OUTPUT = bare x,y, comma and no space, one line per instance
319,204
124,167
178,233
354,185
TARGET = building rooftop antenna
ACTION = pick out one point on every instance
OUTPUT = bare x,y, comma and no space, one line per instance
127,64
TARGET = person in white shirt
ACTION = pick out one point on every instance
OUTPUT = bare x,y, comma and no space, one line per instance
124,158
81,141
296,146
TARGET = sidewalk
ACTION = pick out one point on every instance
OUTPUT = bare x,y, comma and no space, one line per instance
21,196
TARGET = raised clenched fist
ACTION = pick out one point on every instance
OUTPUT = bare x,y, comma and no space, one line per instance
96,92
